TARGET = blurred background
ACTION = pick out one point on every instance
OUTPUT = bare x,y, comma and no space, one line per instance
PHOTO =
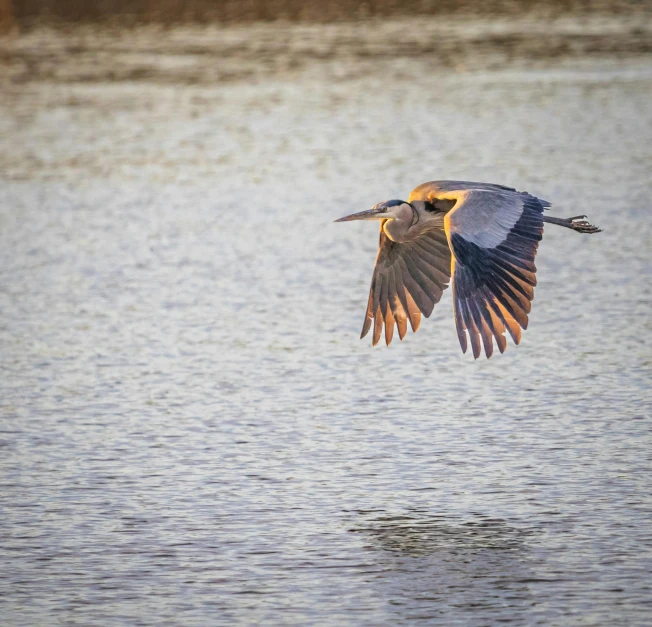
175,11
191,431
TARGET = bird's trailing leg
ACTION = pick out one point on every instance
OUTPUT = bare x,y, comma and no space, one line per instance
577,223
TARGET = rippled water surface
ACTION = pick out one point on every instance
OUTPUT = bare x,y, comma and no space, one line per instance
192,432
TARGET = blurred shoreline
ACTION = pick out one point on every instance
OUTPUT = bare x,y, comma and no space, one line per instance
212,54
26,14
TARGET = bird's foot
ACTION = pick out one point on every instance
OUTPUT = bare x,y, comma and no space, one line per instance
579,224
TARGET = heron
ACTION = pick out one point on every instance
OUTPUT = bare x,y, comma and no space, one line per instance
480,237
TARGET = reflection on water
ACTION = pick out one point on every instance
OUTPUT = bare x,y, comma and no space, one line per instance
190,430
418,536
474,571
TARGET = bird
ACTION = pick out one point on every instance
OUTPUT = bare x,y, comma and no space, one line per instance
481,238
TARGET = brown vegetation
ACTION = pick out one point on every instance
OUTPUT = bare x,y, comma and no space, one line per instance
26,12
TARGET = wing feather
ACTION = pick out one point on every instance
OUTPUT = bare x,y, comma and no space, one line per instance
459,317
368,316
437,278
416,288
494,235
395,306
378,326
377,290
492,327
421,269
389,325
401,296
482,327
497,326
508,320
414,314
408,281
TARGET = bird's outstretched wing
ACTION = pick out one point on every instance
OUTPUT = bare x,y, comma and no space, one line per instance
408,280
494,235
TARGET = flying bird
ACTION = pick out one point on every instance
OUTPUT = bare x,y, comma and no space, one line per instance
482,236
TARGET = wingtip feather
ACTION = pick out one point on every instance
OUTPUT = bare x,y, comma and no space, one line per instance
365,326
389,327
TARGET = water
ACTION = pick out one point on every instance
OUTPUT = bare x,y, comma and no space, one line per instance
192,432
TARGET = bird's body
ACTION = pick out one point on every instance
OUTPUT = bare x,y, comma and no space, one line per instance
483,236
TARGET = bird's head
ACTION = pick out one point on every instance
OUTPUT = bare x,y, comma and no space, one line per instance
388,210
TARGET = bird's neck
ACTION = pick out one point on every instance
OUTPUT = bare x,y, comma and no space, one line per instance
413,220
410,222
398,228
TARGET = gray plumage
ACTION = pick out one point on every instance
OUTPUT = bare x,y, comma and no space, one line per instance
484,236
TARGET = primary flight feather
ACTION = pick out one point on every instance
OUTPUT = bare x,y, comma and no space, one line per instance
482,236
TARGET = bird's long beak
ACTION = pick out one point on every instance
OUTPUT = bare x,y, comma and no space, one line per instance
371,214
